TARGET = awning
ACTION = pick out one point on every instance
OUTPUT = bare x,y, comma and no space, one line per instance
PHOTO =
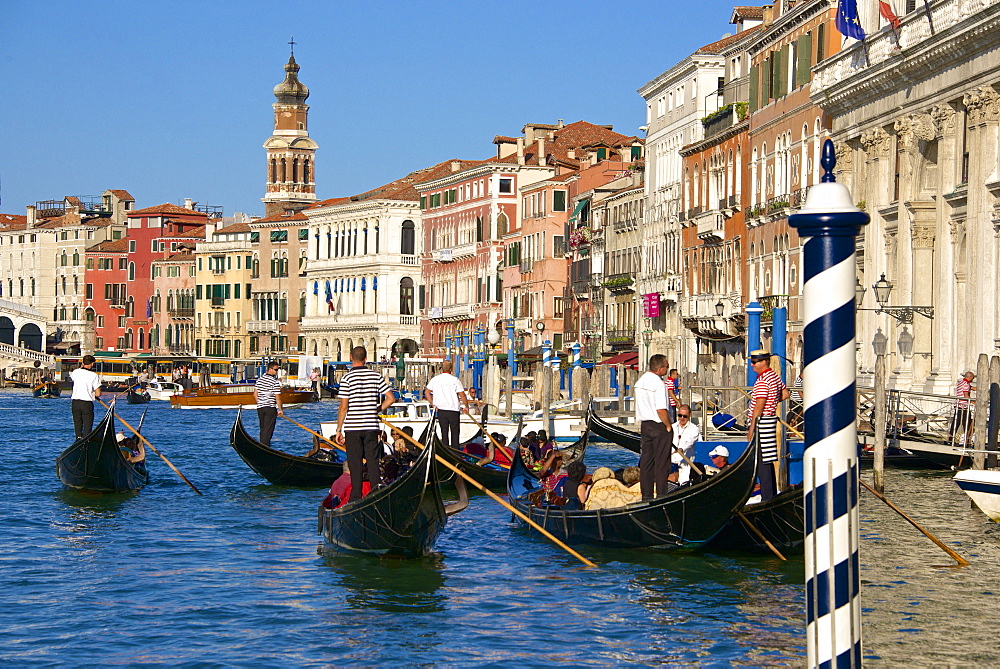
628,358
577,209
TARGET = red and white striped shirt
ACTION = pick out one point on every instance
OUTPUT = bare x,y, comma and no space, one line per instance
962,390
767,391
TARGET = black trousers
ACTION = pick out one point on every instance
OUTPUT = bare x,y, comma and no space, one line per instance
362,444
83,417
449,421
266,416
656,441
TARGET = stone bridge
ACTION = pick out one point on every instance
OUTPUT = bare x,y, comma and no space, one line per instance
22,336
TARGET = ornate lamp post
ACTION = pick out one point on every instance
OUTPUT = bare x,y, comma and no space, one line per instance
882,289
647,337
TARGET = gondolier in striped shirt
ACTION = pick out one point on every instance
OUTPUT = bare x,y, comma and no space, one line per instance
363,394
267,397
762,417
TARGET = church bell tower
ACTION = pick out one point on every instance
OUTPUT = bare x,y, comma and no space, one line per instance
291,153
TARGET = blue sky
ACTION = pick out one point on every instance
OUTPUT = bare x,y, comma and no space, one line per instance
173,99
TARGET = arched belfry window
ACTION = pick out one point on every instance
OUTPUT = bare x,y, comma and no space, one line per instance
305,171
406,296
408,239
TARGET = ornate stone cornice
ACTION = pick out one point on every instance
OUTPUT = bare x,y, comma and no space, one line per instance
943,117
875,142
983,104
912,128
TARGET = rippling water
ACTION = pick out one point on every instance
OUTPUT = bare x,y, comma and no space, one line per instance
234,576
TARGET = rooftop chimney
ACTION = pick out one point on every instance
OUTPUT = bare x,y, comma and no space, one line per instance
560,124
571,154
189,203
520,150
32,217
456,165
541,151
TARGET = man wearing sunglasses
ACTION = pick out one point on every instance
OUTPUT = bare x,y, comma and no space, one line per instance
686,435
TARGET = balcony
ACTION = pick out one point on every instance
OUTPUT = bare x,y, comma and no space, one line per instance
218,301
591,325
526,265
182,312
263,326
620,284
711,227
621,339
582,289
409,260
628,224
407,320
442,255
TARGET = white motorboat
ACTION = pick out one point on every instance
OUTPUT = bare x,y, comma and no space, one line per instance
983,486
162,390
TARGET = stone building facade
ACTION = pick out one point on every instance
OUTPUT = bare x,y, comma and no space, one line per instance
916,120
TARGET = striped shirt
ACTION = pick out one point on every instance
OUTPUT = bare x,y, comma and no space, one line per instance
962,390
267,387
364,389
796,392
767,392
676,383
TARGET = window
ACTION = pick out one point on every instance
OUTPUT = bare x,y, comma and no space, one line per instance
303,234
406,296
558,246
90,291
558,200
279,235
506,185
131,246
254,237
557,308
408,241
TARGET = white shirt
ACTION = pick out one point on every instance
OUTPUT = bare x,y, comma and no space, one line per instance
650,395
685,438
85,382
445,389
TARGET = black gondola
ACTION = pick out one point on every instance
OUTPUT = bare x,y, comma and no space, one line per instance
401,519
613,433
492,475
282,468
96,462
137,397
780,519
686,517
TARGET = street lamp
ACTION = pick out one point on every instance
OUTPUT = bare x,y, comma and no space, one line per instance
878,342
720,308
647,336
882,289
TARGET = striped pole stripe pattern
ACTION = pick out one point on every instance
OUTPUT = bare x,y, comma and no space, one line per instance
546,353
829,222
576,354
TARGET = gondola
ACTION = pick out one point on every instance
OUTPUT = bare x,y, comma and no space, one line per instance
137,397
46,390
96,463
613,433
282,468
401,519
492,475
780,519
686,517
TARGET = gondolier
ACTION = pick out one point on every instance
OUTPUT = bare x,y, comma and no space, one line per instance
762,417
86,388
363,394
447,394
267,397
656,437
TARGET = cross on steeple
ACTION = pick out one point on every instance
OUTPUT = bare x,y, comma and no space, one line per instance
291,43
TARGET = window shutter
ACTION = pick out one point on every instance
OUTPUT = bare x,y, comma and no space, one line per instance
805,59
197,292
421,295
765,82
754,88
820,39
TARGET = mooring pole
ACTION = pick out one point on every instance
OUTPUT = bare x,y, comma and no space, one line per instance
829,222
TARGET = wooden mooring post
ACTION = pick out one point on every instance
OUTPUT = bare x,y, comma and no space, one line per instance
879,423
980,416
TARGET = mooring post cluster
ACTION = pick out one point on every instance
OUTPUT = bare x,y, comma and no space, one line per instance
829,222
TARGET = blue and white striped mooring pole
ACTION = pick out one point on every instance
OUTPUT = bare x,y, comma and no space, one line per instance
546,353
829,223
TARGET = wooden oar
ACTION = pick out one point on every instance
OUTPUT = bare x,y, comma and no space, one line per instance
152,448
497,499
738,514
962,562
317,434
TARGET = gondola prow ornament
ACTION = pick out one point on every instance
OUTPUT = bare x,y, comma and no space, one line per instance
829,223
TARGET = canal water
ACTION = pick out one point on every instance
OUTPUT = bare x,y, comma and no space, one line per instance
234,577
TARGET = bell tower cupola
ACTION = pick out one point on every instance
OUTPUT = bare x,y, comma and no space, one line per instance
291,153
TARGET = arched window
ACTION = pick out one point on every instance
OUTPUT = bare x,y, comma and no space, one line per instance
306,171
76,258
274,178
142,338
131,271
406,296
407,241
502,224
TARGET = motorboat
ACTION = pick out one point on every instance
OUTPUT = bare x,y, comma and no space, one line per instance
983,487
162,390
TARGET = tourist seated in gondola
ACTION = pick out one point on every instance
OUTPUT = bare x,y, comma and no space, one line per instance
572,487
528,455
607,492
720,457
133,449
399,461
550,472
340,490
493,453
545,445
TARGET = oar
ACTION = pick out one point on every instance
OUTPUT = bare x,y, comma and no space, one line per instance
738,514
153,448
962,562
497,499
317,434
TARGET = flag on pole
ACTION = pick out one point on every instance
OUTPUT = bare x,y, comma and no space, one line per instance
885,9
329,297
847,19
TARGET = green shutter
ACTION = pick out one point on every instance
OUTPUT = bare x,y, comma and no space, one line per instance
559,198
820,39
423,201
197,292
254,237
765,82
236,291
754,88
303,233
805,59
